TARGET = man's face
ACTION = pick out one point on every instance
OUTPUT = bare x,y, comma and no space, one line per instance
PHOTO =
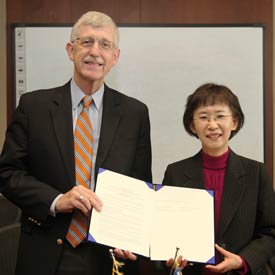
92,61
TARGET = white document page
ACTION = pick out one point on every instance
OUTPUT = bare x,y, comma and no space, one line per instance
124,221
184,219
152,223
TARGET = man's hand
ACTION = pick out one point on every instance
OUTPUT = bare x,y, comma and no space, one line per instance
125,254
231,261
79,197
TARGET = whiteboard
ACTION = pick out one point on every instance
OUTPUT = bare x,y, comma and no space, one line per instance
161,66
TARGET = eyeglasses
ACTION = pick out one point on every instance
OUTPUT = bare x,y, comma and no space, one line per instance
219,118
88,42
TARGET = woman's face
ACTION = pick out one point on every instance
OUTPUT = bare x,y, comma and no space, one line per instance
213,125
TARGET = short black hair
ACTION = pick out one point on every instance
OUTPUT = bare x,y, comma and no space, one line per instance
210,94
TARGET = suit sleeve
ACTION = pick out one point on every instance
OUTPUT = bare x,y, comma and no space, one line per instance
143,159
16,181
262,247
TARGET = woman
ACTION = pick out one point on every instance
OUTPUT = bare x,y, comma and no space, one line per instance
244,197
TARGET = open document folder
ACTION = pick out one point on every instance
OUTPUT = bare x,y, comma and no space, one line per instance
154,221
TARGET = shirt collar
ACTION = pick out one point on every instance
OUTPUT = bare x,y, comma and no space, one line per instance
77,95
215,163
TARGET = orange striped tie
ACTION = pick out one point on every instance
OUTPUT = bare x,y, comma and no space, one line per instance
83,141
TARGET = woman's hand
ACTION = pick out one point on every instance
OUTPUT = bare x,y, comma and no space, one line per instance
231,261
178,263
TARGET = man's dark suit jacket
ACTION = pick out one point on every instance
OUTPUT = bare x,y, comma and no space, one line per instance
247,214
37,164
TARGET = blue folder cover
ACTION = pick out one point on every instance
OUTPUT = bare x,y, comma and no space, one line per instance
155,187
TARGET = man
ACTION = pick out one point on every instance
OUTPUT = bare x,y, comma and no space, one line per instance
39,164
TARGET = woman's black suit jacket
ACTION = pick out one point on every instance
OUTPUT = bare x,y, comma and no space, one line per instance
247,214
37,164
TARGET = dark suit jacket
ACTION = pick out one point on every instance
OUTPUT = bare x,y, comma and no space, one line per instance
247,215
37,164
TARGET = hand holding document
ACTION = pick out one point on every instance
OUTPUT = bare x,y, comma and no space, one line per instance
152,223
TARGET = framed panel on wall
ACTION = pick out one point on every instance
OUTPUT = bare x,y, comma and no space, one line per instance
161,66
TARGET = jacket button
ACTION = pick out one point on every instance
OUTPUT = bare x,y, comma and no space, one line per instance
59,241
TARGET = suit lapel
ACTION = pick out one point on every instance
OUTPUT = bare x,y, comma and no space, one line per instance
110,120
233,190
234,186
61,113
194,172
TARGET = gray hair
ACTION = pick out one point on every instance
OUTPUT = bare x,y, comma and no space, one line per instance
95,20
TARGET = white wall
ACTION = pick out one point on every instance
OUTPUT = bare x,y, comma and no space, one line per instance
161,67
3,90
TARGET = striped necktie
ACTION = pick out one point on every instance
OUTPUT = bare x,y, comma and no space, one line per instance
83,141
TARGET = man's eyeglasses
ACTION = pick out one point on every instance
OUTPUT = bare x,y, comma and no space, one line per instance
207,118
88,42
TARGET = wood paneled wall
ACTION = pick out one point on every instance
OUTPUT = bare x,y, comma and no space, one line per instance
3,93
153,11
